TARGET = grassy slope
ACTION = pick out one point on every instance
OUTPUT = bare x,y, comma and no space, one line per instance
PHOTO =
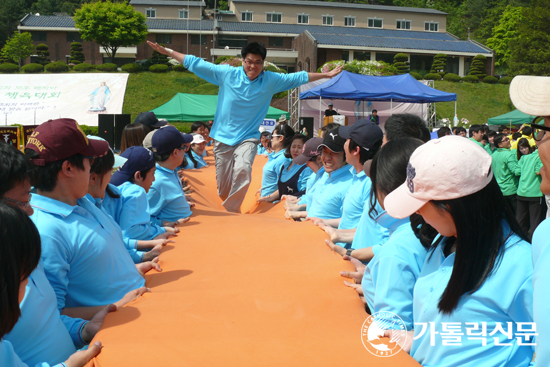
476,102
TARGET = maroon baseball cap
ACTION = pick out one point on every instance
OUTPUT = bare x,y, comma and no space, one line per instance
58,139
310,150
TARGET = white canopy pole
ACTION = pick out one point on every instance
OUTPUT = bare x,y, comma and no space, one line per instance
455,108
320,107
391,106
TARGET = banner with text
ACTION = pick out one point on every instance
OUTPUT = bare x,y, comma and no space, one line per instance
33,99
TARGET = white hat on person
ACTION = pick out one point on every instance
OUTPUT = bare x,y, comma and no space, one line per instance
441,169
531,94
197,139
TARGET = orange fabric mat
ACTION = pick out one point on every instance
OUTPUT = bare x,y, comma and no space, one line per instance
242,290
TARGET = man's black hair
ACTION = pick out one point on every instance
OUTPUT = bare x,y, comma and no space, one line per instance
196,125
491,133
498,139
45,177
14,168
459,130
254,48
375,111
406,125
501,128
517,135
365,155
161,157
527,130
474,129
443,131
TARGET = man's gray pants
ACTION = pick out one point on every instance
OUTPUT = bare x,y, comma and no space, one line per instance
234,171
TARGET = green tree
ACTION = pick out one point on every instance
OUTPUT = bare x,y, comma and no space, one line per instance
503,33
42,51
76,54
11,11
18,47
530,51
111,25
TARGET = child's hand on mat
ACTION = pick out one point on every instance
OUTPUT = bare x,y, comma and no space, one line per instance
356,275
336,248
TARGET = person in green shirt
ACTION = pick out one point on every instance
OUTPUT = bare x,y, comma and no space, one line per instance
506,169
490,146
476,134
531,203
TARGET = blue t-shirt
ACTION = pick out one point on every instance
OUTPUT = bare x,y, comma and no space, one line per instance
199,158
310,186
369,233
328,197
505,297
135,219
354,201
261,150
389,278
41,333
167,201
541,296
242,103
8,358
271,172
83,257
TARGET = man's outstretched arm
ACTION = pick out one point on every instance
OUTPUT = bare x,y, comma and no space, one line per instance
167,51
316,76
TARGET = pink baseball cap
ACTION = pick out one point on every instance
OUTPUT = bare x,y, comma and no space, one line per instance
442,169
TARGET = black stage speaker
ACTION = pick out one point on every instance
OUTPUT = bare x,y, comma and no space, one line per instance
307,122
110,128
106,128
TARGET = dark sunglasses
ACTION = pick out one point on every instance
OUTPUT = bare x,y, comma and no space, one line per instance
540,129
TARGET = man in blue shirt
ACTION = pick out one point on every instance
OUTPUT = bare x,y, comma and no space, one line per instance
41,334
328,198
84,260
243,100
167,203
364,139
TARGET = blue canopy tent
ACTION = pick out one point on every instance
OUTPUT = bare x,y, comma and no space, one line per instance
397,88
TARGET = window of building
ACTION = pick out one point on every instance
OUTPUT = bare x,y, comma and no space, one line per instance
361,55
386,57
349,21
151,13
374,23
197,39
232,41
275,41
246,16
184,14
164,38
345,56
274,17
303,18
39,36
73,37
403,24
431,26
328,19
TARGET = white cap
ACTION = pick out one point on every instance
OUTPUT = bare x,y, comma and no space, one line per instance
441,169
197,139
531,94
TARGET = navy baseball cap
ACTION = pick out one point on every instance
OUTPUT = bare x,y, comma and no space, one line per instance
333,141
138,158
150,120
168,138
364,132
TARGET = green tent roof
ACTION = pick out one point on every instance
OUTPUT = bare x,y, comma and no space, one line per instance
197,107
516,117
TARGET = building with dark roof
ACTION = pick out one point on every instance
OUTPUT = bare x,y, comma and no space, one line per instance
299,35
